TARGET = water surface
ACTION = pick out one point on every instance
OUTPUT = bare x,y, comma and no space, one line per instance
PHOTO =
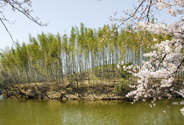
55,112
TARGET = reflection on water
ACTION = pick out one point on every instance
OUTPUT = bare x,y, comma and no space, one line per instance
1,96
47,112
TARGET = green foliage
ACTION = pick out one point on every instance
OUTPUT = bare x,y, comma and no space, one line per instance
93,77
49,57
122,86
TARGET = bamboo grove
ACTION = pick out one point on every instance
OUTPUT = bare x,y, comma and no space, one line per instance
50,57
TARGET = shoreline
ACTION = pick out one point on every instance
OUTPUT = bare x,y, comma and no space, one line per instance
69,92
61,92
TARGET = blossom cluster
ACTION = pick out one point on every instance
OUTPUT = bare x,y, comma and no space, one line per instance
130,68
166,59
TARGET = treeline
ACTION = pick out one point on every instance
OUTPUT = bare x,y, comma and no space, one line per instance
51,57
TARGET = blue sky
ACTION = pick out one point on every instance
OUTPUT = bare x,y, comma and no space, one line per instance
62,15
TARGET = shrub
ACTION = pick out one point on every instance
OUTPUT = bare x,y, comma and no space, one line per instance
93,77
122,86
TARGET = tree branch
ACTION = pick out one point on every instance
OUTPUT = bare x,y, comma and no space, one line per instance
133,13
161,61
149,10
7,30
24,13
178,66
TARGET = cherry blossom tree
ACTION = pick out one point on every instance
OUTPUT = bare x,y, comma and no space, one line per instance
22,6
167,58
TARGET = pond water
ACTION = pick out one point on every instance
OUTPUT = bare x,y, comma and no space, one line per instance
55,112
